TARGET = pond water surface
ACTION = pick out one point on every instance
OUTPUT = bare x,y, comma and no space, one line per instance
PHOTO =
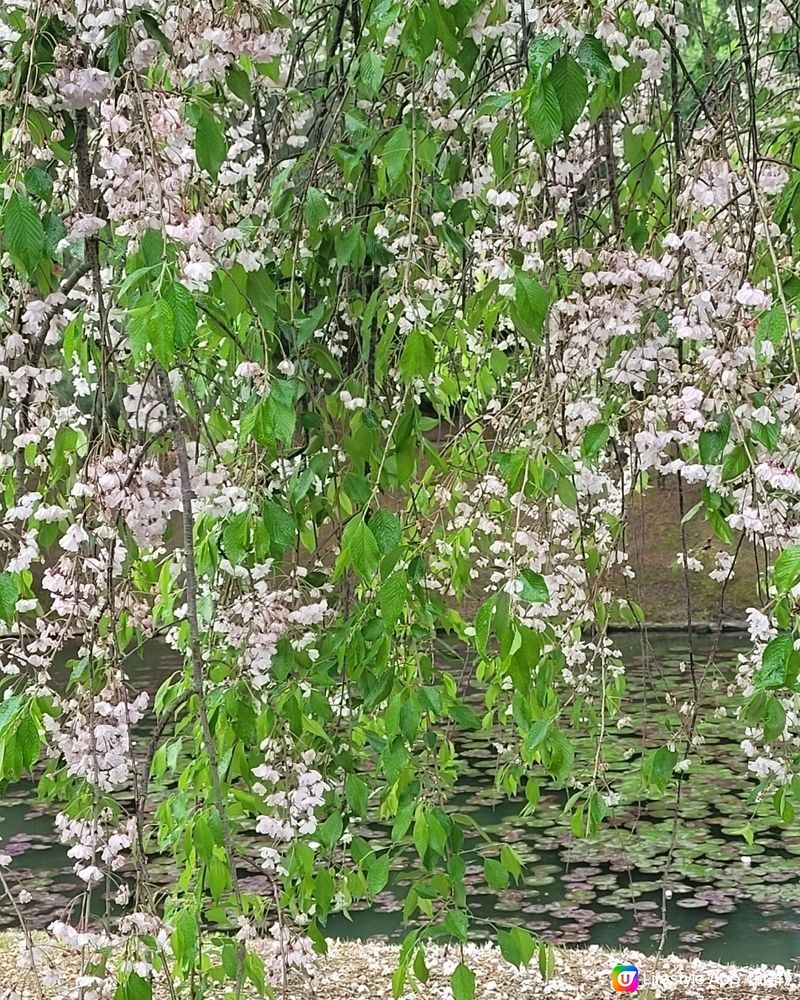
727,901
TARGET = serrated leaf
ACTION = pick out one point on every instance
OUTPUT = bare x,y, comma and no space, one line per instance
24,233
543,114
569,82
387,529
315,208
161,332
772,326
455,923
395,153
516,946
210,145
360,548
658,768
534,587
418,357
774,669
594,57
378,875
774,720
595,438
371,67
495,874
234,538
711,443
239,84
462,983
530,305
392,597
39,184
541,51
9,595
280,525
736,463
786,571
184,314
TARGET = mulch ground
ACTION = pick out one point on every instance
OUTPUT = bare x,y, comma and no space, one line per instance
362,970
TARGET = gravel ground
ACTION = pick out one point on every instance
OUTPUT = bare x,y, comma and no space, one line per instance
362,970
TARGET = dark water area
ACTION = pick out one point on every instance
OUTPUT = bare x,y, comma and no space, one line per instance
727,901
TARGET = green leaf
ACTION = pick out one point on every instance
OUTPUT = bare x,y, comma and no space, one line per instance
462,983
483,624
387,529
595,438
153,29
455,923
529,310
329,833
315,208
346,246
541,51
774,720
547,960
594,57
562,757
184,313
658,768
534,587
371,67
235,538
495,874
772,326
8,710
39,184
569,82
736,463
280,419
161,332
9,595
28,742
210,145
54,232
767,435
392,597
360,548
137,988
538,733
239,84
418,356
774,669
24,232
357,794
280,525
712,442
378,875
543,114
786,571
420,968
184,936
395,152
516,946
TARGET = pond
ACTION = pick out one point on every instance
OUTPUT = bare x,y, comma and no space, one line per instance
727,901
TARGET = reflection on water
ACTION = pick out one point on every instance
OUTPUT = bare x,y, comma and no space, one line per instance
605,891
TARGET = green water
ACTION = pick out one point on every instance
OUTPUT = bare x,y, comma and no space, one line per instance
606,891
